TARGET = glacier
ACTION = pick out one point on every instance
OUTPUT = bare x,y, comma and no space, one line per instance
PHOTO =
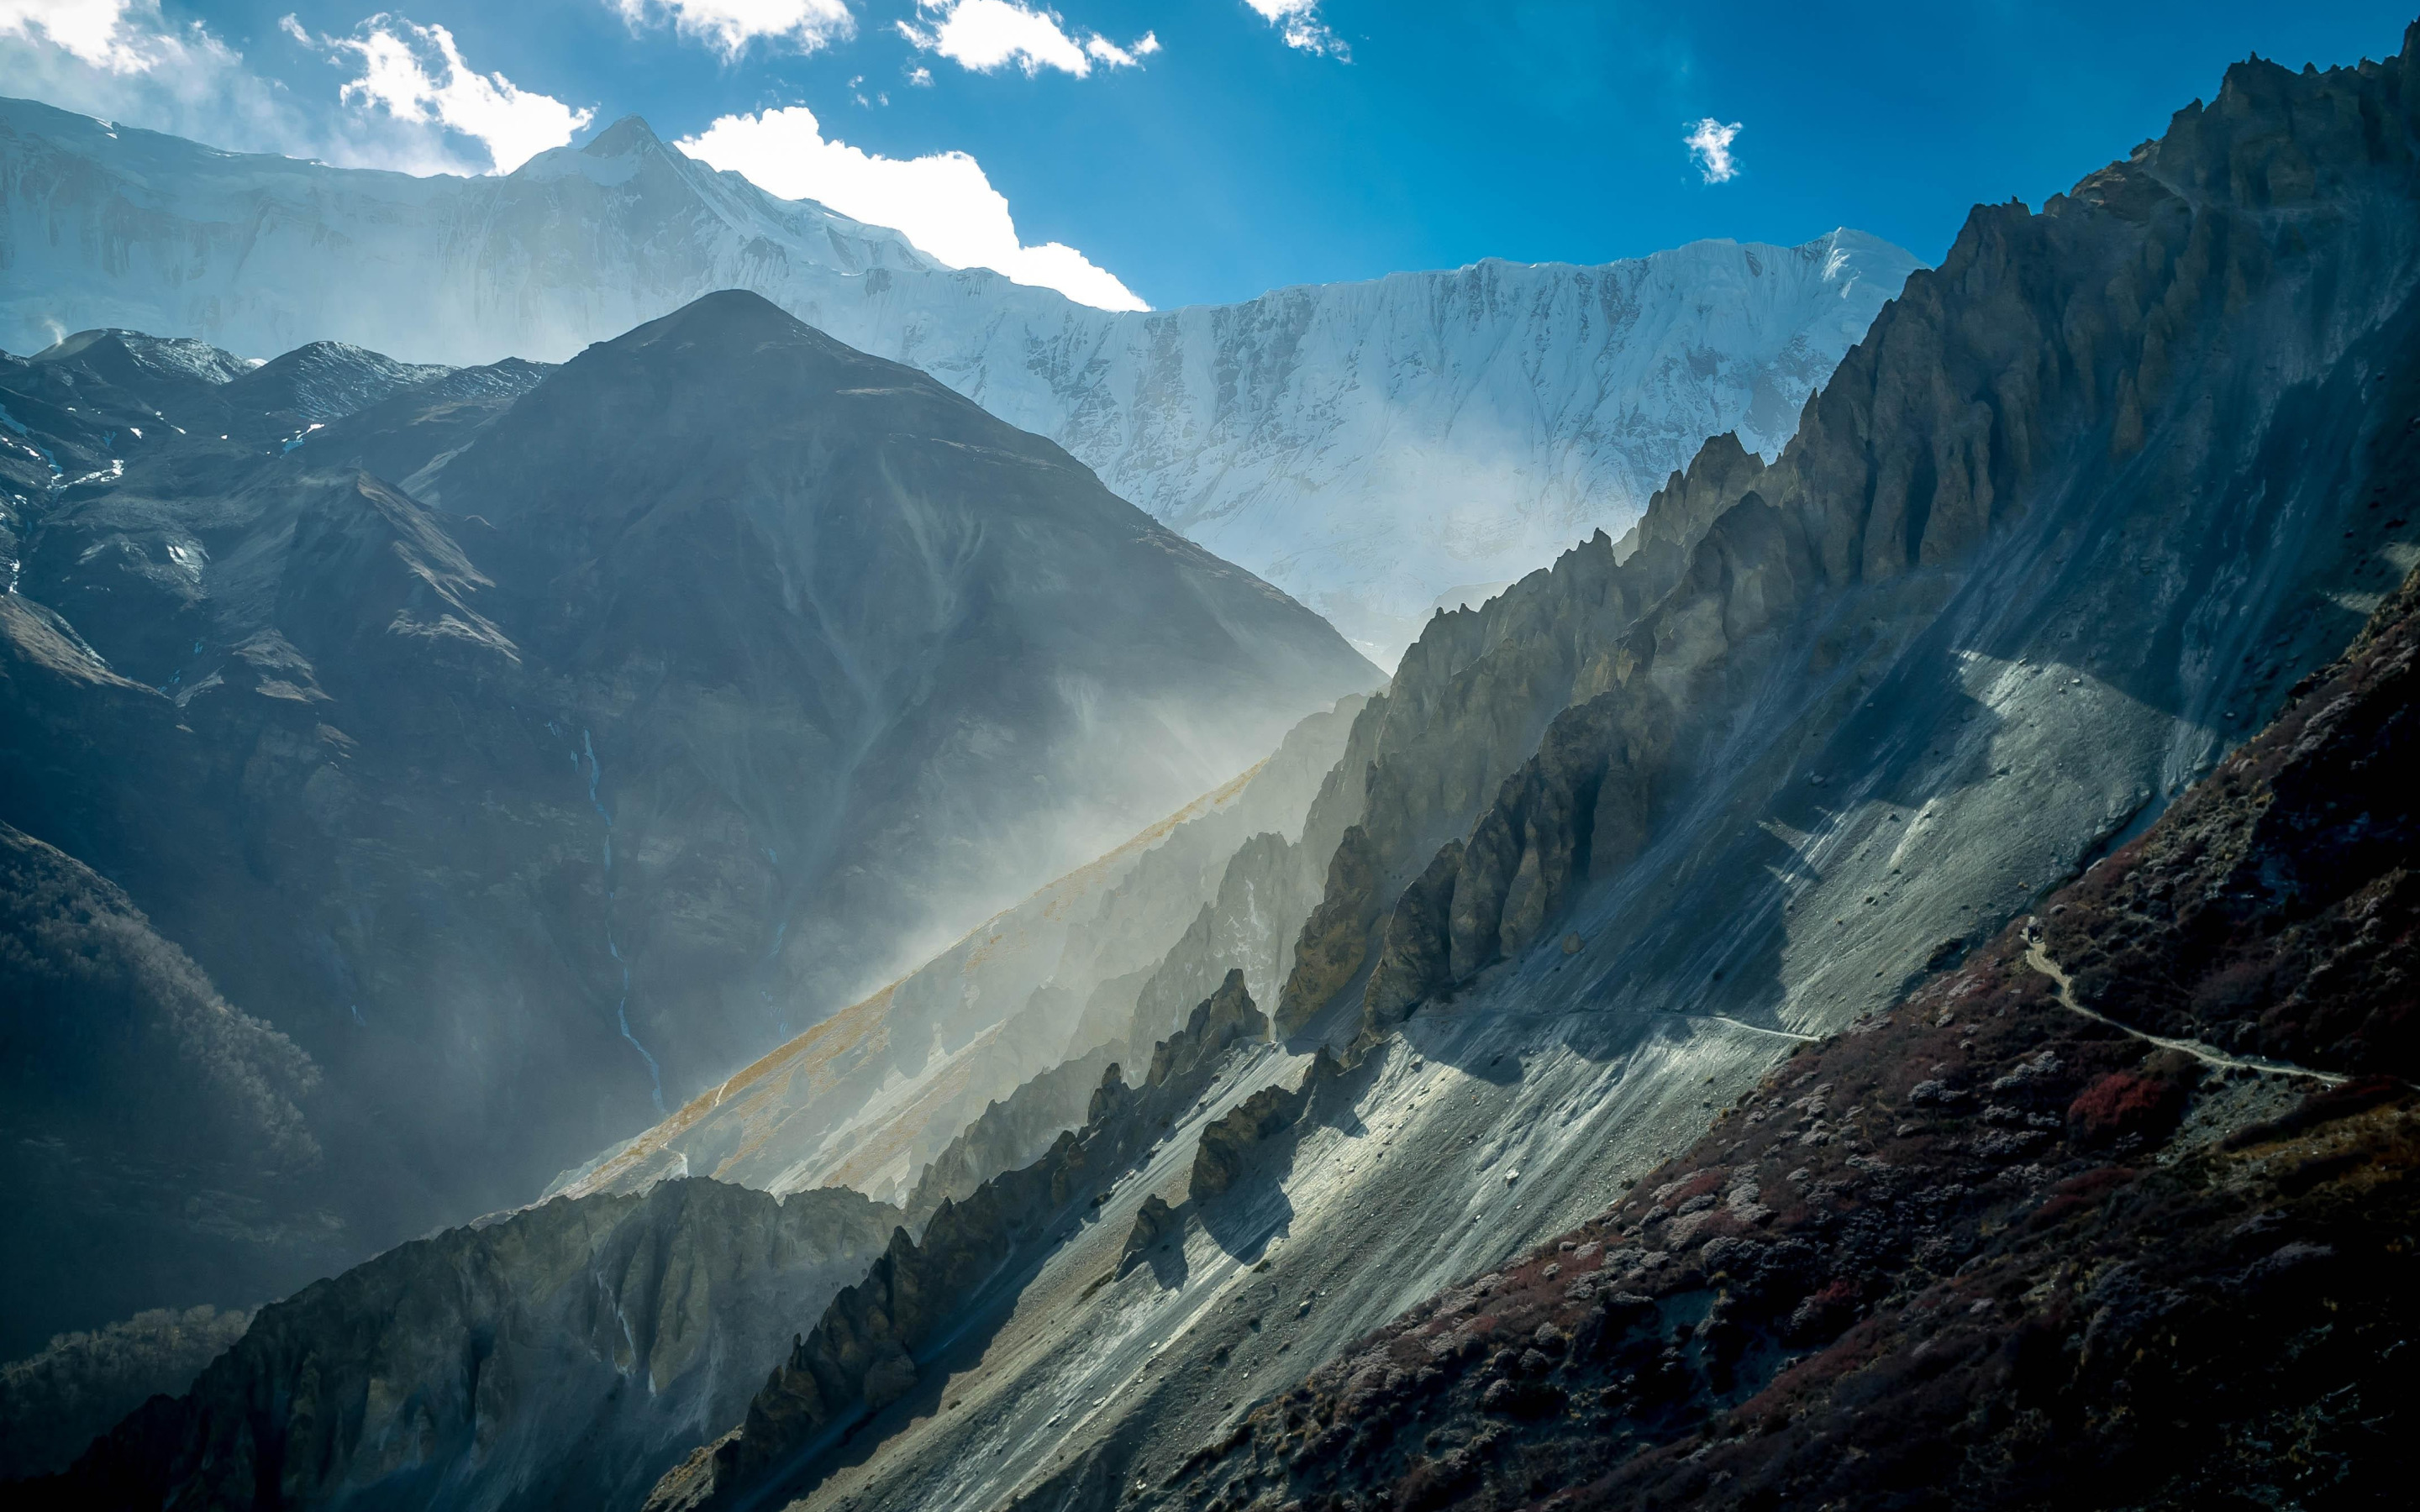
1378,449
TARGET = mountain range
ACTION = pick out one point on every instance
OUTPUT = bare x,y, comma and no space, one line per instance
1474,421
1888,983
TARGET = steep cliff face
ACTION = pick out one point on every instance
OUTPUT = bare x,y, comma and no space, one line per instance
1371,448
2073,378
1947,1259
528,817
568,1354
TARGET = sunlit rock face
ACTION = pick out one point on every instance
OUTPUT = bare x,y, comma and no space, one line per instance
528,750
1378,449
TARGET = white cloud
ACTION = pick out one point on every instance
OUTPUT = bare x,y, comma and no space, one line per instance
122,61
1710,147
415,74
920,76
1299,23
1114,56
94,32
943,203
986,34
729,26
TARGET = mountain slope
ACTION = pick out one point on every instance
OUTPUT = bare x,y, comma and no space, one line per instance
2080,510
529,818
872,1096
1475,420
1988,1250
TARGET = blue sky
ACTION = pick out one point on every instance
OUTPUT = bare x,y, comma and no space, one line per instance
1250,143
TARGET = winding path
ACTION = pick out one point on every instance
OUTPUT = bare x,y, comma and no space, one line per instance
2040,960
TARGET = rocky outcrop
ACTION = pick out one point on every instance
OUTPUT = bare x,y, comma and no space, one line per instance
572,1352
1154,1221
1013,1132
1470,702
1719,476
1941,1260
1226,1143
1414,958
862,1354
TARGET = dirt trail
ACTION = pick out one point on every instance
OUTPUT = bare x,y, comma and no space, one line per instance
2040,960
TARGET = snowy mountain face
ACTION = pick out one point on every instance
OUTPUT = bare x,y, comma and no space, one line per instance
1376,448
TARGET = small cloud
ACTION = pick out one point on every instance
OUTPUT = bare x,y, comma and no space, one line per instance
416,74
729,26
921,77
1299,23
1710,147
943,203
1111,56
984,36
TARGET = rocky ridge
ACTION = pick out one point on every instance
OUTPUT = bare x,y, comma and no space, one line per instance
567,1353
2074,323
863,1354
1983,1250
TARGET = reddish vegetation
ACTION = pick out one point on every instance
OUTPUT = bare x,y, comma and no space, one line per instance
2124,1103
1983,1250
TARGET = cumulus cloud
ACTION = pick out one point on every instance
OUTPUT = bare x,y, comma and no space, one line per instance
729,26
1710,147
93,32
987,34
1299,23
415,75
943,203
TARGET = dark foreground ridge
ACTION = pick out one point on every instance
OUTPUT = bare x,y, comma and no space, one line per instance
1985,1250
560,1356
